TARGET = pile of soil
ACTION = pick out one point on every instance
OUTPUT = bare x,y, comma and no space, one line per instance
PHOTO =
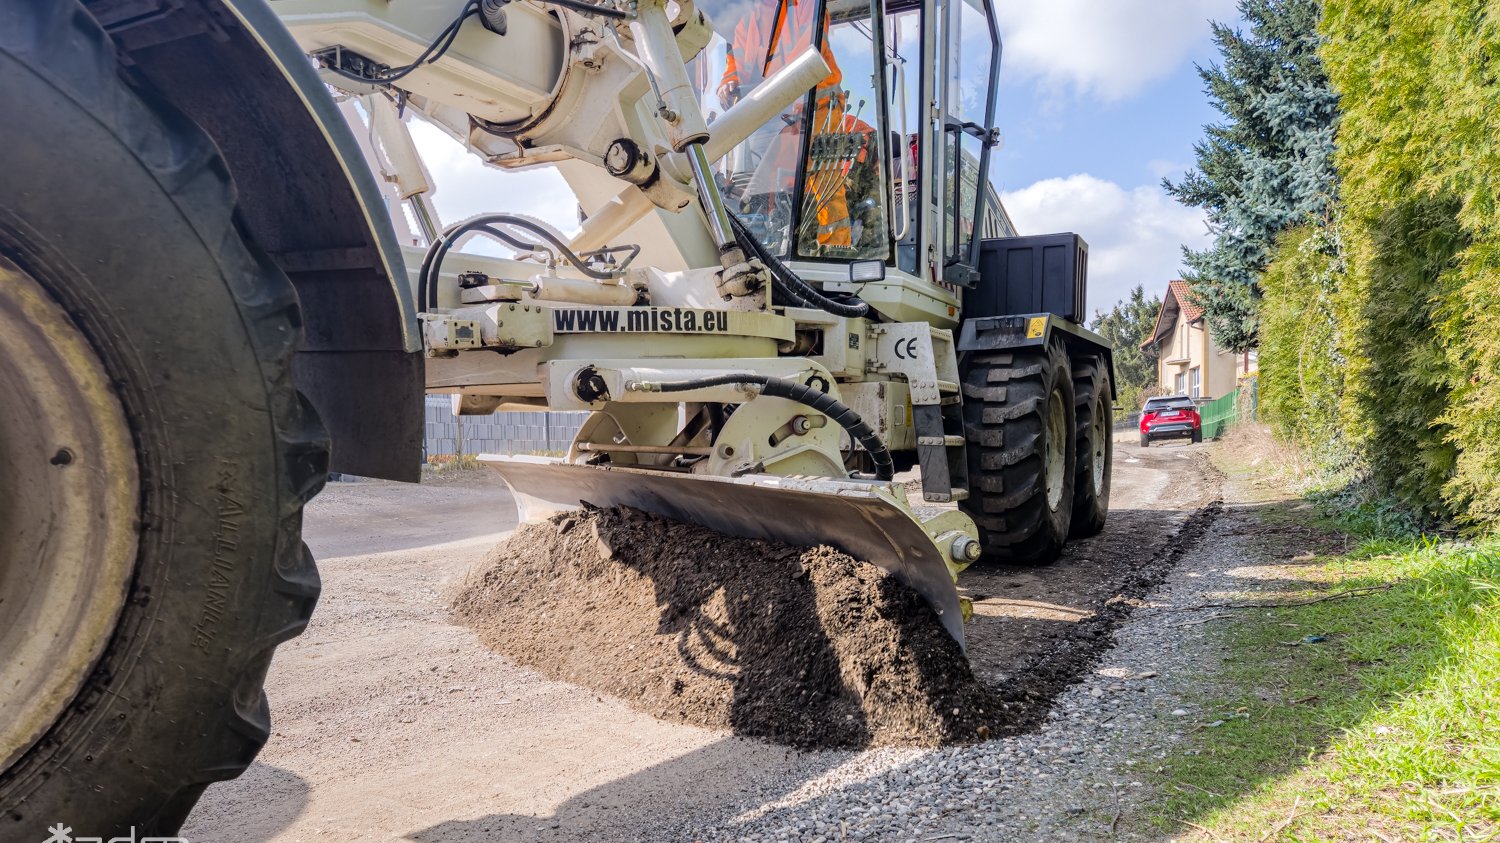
802,646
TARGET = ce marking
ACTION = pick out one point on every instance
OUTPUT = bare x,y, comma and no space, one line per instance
906,349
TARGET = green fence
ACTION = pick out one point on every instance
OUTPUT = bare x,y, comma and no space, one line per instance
1220,413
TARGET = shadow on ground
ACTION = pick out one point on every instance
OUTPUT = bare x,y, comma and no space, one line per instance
641,806
280,796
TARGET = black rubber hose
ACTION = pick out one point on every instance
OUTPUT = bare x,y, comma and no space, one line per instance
432,261
786,296
591,9
859,431
434,51
791,286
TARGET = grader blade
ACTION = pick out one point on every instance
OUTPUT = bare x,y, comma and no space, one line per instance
859,518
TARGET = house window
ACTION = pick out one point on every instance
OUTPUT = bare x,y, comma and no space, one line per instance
1195,382
1177,384
1182,342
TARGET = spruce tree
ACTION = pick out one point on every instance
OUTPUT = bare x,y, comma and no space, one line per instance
1268,166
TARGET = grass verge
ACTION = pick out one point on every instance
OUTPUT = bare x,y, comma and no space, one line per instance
1373,717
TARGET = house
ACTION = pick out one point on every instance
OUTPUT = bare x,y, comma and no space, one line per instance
1188,362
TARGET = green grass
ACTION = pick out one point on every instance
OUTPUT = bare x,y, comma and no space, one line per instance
1388,729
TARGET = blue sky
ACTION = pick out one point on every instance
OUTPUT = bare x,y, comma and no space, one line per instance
1127,142
1098,100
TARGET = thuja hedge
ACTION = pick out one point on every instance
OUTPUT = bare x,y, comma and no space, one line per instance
1301,362
1417,309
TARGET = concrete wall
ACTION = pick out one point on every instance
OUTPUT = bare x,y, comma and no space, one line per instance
497,433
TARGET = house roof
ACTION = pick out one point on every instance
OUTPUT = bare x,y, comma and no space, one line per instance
1179,289
1174,302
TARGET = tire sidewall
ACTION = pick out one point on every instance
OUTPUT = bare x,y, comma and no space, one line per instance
125,214
1104,406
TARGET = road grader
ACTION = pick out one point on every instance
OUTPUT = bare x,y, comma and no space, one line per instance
222,276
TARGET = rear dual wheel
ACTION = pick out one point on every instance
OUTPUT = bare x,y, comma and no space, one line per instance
1094,411
154,456
1019,422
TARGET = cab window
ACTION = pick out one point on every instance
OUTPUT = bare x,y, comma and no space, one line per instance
844,182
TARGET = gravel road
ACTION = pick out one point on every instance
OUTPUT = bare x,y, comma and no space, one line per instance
390,723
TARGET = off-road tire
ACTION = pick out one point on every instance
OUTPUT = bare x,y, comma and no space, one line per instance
1093,400
124,212
1008,398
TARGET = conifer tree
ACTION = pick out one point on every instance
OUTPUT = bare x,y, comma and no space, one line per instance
1268,166
1127,325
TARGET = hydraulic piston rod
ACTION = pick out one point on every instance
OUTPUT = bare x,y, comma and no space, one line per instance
768,99
678,110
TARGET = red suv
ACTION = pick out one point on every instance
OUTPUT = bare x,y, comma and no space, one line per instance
1170,417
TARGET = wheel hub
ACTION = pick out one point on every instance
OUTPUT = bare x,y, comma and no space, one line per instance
1057,454
69,501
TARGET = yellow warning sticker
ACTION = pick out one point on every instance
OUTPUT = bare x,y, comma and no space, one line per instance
1035,327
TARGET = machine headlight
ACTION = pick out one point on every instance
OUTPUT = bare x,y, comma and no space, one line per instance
867,270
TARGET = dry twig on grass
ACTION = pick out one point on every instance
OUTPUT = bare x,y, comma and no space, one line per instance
1115,820
1281,826
1207,831
1219,616
1199,789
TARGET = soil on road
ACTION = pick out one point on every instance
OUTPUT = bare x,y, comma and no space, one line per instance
391,723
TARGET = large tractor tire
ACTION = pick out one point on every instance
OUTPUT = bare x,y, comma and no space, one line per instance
154,455
1018,422
1094,406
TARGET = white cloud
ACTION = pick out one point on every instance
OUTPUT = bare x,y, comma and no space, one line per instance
1135,236
1109,49
465,186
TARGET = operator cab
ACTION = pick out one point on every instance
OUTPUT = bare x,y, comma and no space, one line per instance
841,176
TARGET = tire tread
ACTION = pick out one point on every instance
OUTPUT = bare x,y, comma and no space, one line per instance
1004,427
65,45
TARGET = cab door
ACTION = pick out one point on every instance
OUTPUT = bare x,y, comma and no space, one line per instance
968,65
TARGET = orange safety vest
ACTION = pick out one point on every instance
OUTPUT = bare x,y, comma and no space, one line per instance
766,39
834,228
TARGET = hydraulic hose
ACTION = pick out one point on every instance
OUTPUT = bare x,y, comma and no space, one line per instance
432,261
434,51
859,431
592,9
788,285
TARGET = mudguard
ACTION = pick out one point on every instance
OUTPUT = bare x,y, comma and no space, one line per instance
307,198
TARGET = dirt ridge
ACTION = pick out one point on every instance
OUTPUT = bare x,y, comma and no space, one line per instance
803,646
672,619
1037,682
